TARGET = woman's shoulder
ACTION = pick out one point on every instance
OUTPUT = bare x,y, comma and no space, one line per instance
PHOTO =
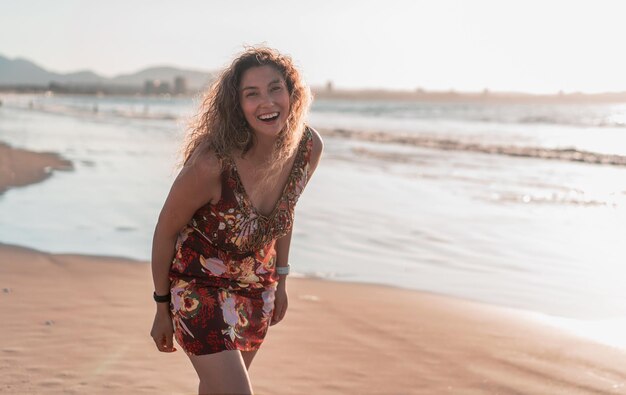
206,168
206,162
316,149
318,143
197,183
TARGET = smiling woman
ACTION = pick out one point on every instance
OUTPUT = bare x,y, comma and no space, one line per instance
221,244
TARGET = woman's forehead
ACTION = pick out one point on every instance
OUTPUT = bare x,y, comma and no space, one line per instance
259,76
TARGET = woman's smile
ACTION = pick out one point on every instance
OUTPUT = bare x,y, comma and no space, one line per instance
269,117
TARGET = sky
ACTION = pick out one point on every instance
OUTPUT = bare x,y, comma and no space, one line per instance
502,45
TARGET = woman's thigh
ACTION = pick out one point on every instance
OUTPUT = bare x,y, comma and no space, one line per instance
222,372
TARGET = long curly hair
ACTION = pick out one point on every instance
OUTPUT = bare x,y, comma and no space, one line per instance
220,124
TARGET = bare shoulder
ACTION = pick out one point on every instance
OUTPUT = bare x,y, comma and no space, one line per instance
316,150
206,165
201,176
197,184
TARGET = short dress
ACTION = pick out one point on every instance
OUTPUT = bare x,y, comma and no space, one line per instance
223,276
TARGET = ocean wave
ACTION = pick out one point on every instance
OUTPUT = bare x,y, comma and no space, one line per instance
554,198
99,112
573,114
564,154
584,122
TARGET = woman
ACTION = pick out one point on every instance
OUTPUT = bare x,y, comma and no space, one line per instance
221,244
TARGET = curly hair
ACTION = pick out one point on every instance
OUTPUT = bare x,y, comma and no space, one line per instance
220,124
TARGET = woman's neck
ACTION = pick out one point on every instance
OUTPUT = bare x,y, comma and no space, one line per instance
262,150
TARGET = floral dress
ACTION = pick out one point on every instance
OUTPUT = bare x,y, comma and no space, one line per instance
223,276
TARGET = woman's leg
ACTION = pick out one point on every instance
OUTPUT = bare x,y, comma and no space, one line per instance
222,373
248,356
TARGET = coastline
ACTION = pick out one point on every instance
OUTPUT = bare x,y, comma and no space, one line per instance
19,167
80,324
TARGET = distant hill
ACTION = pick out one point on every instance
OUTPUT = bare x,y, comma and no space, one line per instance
195,79
24,72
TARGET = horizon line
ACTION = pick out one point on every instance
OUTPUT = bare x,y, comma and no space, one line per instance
365,89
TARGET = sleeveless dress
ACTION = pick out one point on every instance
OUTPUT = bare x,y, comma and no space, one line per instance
223,275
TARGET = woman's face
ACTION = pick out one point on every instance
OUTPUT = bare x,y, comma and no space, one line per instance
264,99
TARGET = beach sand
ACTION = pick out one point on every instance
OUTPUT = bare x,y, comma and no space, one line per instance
80,324
19,167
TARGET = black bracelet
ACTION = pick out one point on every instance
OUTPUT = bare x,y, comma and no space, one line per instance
162,298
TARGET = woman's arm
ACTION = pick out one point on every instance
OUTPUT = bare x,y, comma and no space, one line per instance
281,299
196,185
282,245
282,255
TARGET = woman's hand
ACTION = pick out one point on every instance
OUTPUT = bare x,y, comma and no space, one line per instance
163,331
280,304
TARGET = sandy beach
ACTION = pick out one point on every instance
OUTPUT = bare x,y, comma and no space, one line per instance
78,324
20,167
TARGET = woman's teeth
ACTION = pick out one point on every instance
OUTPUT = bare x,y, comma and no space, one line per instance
268,117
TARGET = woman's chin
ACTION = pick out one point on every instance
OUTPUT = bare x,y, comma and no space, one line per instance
269,130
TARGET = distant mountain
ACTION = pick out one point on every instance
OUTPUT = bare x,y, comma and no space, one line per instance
84,76
24,72
195,79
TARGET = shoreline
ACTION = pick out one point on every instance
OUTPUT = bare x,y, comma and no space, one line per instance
79,323
19,167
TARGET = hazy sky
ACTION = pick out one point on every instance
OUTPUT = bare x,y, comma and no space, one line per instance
524,45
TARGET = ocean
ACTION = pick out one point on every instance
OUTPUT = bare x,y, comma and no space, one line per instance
518,205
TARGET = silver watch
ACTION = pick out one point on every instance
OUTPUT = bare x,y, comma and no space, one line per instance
283,270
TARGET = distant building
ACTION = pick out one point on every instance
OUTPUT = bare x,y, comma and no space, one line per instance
156,87
149,87
163,88
180,85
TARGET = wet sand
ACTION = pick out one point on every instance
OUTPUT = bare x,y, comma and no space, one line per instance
20,167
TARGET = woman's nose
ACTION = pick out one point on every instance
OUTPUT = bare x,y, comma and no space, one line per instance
266,98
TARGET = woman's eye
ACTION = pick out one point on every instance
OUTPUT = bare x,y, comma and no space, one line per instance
251,94
276,88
